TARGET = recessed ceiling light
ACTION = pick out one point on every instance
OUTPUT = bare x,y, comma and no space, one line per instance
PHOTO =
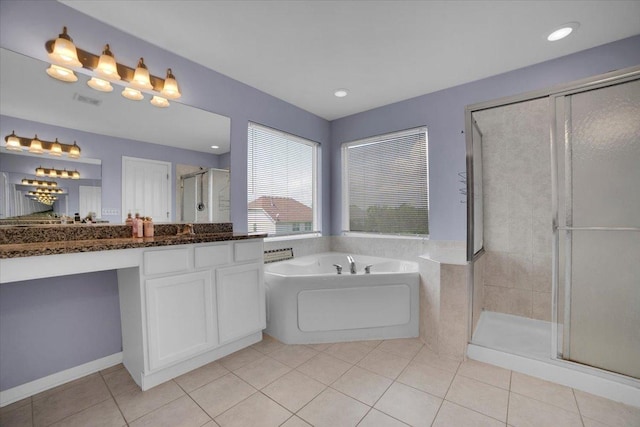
563,31
215,147
341,93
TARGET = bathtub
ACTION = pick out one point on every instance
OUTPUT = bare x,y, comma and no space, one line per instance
308,302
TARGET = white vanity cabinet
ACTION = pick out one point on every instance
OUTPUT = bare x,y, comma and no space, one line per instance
189,305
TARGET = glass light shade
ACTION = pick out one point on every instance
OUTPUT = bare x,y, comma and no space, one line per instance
159,101
36,146
132,94
61,73
141,79
53,173
52,183
13,142
56,148
64,174
75,175
40,171
170,89
107,67
64,51
100,85
74,151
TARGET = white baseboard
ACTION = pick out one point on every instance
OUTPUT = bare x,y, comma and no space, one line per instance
41,384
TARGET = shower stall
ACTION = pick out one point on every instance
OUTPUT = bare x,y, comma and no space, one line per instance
205,196
554,233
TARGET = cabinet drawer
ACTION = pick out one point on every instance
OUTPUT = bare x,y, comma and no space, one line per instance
209,256
166,261
248,251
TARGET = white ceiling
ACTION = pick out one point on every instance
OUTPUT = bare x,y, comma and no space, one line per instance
382,51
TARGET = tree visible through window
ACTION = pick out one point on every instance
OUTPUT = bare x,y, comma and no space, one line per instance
281,182
385,184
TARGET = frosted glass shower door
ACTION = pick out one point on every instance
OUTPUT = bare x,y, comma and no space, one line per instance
599,227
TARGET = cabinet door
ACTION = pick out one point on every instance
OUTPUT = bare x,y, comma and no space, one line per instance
241,301
180,317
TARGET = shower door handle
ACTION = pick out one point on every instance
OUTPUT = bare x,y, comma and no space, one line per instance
600,228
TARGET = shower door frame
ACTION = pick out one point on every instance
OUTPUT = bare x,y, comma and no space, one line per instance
551,93
561,146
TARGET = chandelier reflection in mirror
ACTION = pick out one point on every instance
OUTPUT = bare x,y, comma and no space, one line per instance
65,56
37,183
40,146
57,173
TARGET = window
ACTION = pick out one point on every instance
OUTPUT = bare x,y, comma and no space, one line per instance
386,184
281,182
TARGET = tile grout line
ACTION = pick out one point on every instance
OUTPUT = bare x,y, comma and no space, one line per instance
573,392
194,401
506,421
114,397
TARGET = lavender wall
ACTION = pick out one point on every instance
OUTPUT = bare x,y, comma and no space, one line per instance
43,325
443,114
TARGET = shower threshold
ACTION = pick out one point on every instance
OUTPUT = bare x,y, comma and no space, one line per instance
524,345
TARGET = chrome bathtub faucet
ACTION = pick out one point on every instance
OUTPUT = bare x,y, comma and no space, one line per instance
352,264
338,268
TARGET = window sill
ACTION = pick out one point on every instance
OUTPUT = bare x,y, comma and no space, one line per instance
292,237
383,236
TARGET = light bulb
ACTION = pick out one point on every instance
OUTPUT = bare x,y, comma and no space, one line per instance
159,101
13,142
36,146
40,171
62,74
141,79
107,67
64,51
53,173
170,89
100,85
75,174
74,151
56,148
132,94
64,174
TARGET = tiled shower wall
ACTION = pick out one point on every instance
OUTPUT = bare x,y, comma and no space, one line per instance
517,209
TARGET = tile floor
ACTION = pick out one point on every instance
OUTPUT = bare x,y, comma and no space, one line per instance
367,383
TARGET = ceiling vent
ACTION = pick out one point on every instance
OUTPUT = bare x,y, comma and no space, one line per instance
87,100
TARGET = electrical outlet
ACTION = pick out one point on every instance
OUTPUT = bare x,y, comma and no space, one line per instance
111,212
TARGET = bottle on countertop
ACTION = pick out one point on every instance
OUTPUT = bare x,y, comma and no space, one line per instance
129,221
137,226
148,227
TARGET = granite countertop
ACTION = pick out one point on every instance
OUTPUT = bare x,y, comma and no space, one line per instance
33,242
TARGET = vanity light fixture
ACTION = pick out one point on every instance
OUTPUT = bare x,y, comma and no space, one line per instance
47,190
39,146
62,53
35,182
57,173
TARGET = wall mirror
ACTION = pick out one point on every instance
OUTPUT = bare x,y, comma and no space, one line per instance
30,99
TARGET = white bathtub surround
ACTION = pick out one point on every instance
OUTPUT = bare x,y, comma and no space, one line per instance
308,302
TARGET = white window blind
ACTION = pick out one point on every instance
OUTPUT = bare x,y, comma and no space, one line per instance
281,182
386,185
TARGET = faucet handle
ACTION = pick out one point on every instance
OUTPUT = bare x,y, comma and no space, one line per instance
338,268
367,269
